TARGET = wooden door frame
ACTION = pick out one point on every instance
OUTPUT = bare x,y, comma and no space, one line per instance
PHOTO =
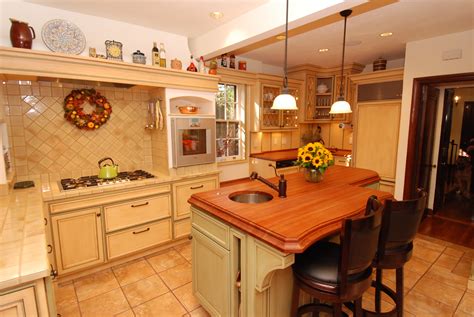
417,118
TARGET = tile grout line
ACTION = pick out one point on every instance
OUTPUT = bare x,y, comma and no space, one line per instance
123,293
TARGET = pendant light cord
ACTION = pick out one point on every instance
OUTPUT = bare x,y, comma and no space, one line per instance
285,81
341,88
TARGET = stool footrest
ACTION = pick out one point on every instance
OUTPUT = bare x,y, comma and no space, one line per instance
316,308
390,293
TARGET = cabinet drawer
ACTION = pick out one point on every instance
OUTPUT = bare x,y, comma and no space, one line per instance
182,228
182,192
136,212
138,238
212,228
21,303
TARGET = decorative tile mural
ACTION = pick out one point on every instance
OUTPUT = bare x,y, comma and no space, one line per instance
44,144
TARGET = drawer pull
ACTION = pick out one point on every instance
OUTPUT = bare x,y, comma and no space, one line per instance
138,232
45,221
197,187
139,205
50,248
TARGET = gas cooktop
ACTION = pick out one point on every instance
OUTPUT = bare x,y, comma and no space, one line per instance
92,181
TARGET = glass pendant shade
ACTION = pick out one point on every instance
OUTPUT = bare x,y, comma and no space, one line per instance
284,101
340,106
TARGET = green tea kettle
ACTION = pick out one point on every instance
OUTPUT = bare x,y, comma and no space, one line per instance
107,171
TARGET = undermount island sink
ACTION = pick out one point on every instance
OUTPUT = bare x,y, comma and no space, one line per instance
250,197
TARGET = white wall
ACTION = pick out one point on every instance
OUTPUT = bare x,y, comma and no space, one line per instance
96,30
424,58
234,171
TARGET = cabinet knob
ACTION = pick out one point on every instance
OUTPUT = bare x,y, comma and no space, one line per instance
50,248
98,215
190,237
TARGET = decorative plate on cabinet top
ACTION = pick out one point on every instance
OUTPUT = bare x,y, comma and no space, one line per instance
63,36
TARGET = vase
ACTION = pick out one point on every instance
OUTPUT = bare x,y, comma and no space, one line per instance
313,175
21,35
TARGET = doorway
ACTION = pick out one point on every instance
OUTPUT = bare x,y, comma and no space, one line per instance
435,157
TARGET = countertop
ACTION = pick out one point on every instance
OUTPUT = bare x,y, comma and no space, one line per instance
22,229
310,211
291,154
22,238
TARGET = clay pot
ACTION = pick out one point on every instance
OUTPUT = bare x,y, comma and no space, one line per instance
176,64
21,35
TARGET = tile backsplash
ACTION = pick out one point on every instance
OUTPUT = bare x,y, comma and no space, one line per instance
44,144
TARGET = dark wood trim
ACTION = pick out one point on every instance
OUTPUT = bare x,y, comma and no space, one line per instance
416,122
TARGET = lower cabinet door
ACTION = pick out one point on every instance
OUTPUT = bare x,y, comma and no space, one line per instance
211,276
78,240
19,304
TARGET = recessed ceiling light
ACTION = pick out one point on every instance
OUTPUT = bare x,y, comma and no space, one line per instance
217,15
280,37
385,34
322,50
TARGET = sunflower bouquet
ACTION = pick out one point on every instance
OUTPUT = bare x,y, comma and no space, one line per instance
314,156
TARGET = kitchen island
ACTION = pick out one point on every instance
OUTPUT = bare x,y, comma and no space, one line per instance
242,253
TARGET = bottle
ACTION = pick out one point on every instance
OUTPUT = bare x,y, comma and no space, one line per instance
162,55
232,61
155,55
191,67
201,66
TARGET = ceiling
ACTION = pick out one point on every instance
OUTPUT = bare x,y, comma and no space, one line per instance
409,20
184,17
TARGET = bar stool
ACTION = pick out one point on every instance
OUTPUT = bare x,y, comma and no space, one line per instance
339,273
400,222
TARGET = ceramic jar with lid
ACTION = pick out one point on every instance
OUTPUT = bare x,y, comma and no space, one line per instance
176,64
322,88
139,57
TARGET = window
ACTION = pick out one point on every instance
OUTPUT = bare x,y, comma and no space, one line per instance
230,121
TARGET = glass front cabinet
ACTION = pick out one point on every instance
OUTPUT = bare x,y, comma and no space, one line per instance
277,119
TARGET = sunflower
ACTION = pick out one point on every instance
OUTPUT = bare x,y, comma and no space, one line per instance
317,162
318,145
307,157
319,152
310,147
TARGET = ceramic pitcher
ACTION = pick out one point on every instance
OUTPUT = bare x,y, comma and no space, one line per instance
21,34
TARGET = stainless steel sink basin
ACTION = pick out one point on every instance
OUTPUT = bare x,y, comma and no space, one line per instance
250,197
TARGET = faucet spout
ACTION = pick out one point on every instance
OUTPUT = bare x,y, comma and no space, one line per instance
281,188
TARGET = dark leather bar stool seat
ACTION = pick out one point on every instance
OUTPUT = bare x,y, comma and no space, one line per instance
338,273
400,222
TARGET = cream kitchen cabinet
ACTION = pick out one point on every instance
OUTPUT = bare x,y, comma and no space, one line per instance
27,300
78,241
182,210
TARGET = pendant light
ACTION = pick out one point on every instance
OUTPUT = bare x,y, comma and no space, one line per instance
285,101
341,105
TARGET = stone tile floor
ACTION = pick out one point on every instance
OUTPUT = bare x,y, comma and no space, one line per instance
436,284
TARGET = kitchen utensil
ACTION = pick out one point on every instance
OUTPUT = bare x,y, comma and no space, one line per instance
188,109
63,36
21,35
107,171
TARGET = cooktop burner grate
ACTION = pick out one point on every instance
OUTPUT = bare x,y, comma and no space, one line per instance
94,180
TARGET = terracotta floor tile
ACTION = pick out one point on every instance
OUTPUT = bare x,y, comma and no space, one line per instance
463,268
185,295
65,294
439,291
70,309
200,312
433,244
445,276
368,302
164,305
108,304
95,284
422,305
177,276
417,265
185,250
460,313
467,303
128,313
470,286
132,271
410,278
426,253
447,261
453,252
162,262
144,290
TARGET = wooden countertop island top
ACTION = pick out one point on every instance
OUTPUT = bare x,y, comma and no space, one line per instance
310,211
